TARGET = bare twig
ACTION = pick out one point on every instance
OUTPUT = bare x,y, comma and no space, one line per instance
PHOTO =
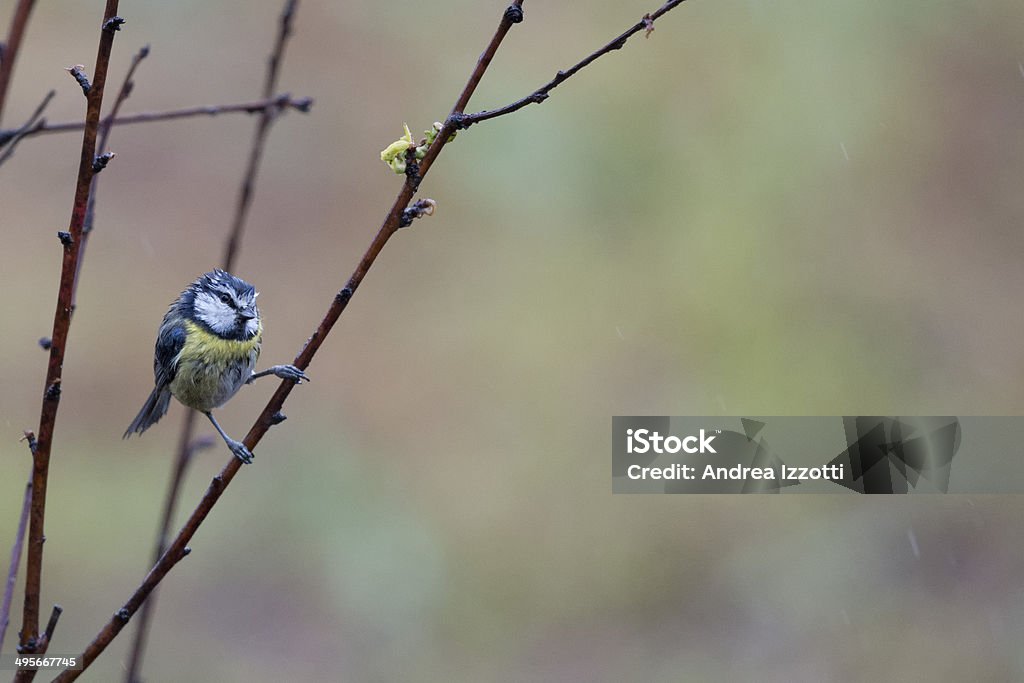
277,103
30,638
12,138
645,24
18,23
187,447
231,247
104,138
271,413
16,546
51,626
259,135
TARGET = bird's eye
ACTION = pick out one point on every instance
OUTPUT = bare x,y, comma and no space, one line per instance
225,299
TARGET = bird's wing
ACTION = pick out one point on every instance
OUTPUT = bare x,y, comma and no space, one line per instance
169,343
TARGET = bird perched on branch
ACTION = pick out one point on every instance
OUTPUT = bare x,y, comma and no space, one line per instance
206,350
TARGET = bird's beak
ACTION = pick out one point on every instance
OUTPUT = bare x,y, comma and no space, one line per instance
247,314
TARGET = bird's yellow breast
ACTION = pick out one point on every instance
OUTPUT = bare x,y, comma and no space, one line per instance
199,343
209,370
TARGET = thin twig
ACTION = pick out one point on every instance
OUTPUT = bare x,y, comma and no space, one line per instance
51,626
61,323
267,117
187,448
101,145
104,136
16,546
11,139
271,413
18,23
231,247
278,102
645,24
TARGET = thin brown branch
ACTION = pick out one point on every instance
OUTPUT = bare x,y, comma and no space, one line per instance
12,138
30,637
231,247
267,117
16,546
10,53
272,412
187,448
646,24
103,138
277,103
127,85
51,626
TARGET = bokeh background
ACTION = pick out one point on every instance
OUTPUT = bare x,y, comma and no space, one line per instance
768,207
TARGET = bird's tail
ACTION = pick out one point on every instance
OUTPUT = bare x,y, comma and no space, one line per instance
154,408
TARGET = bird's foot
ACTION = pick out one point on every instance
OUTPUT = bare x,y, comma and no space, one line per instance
289,372
240,451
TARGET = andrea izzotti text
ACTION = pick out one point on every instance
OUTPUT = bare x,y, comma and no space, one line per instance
648,442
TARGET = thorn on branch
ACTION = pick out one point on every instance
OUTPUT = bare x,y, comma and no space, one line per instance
344,295
30,436
185,552
65,238
113,24
78,73
45,343
277,418
101,161
514,14
420,208
53,391
122,615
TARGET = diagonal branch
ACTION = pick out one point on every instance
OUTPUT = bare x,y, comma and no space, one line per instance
10,49
12,138
16,547
267,117
30,637
645,24
101,145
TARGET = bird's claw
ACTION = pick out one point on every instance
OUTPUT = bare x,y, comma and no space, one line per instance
290,372
240,451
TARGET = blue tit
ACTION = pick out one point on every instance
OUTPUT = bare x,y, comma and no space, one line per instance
206,350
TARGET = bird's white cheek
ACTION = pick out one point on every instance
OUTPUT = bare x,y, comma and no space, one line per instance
219,317
252,327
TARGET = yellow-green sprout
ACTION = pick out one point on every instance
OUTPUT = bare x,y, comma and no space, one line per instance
394,155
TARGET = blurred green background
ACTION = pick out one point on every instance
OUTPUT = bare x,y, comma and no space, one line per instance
769,207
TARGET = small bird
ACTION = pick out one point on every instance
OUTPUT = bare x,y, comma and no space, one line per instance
206,350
